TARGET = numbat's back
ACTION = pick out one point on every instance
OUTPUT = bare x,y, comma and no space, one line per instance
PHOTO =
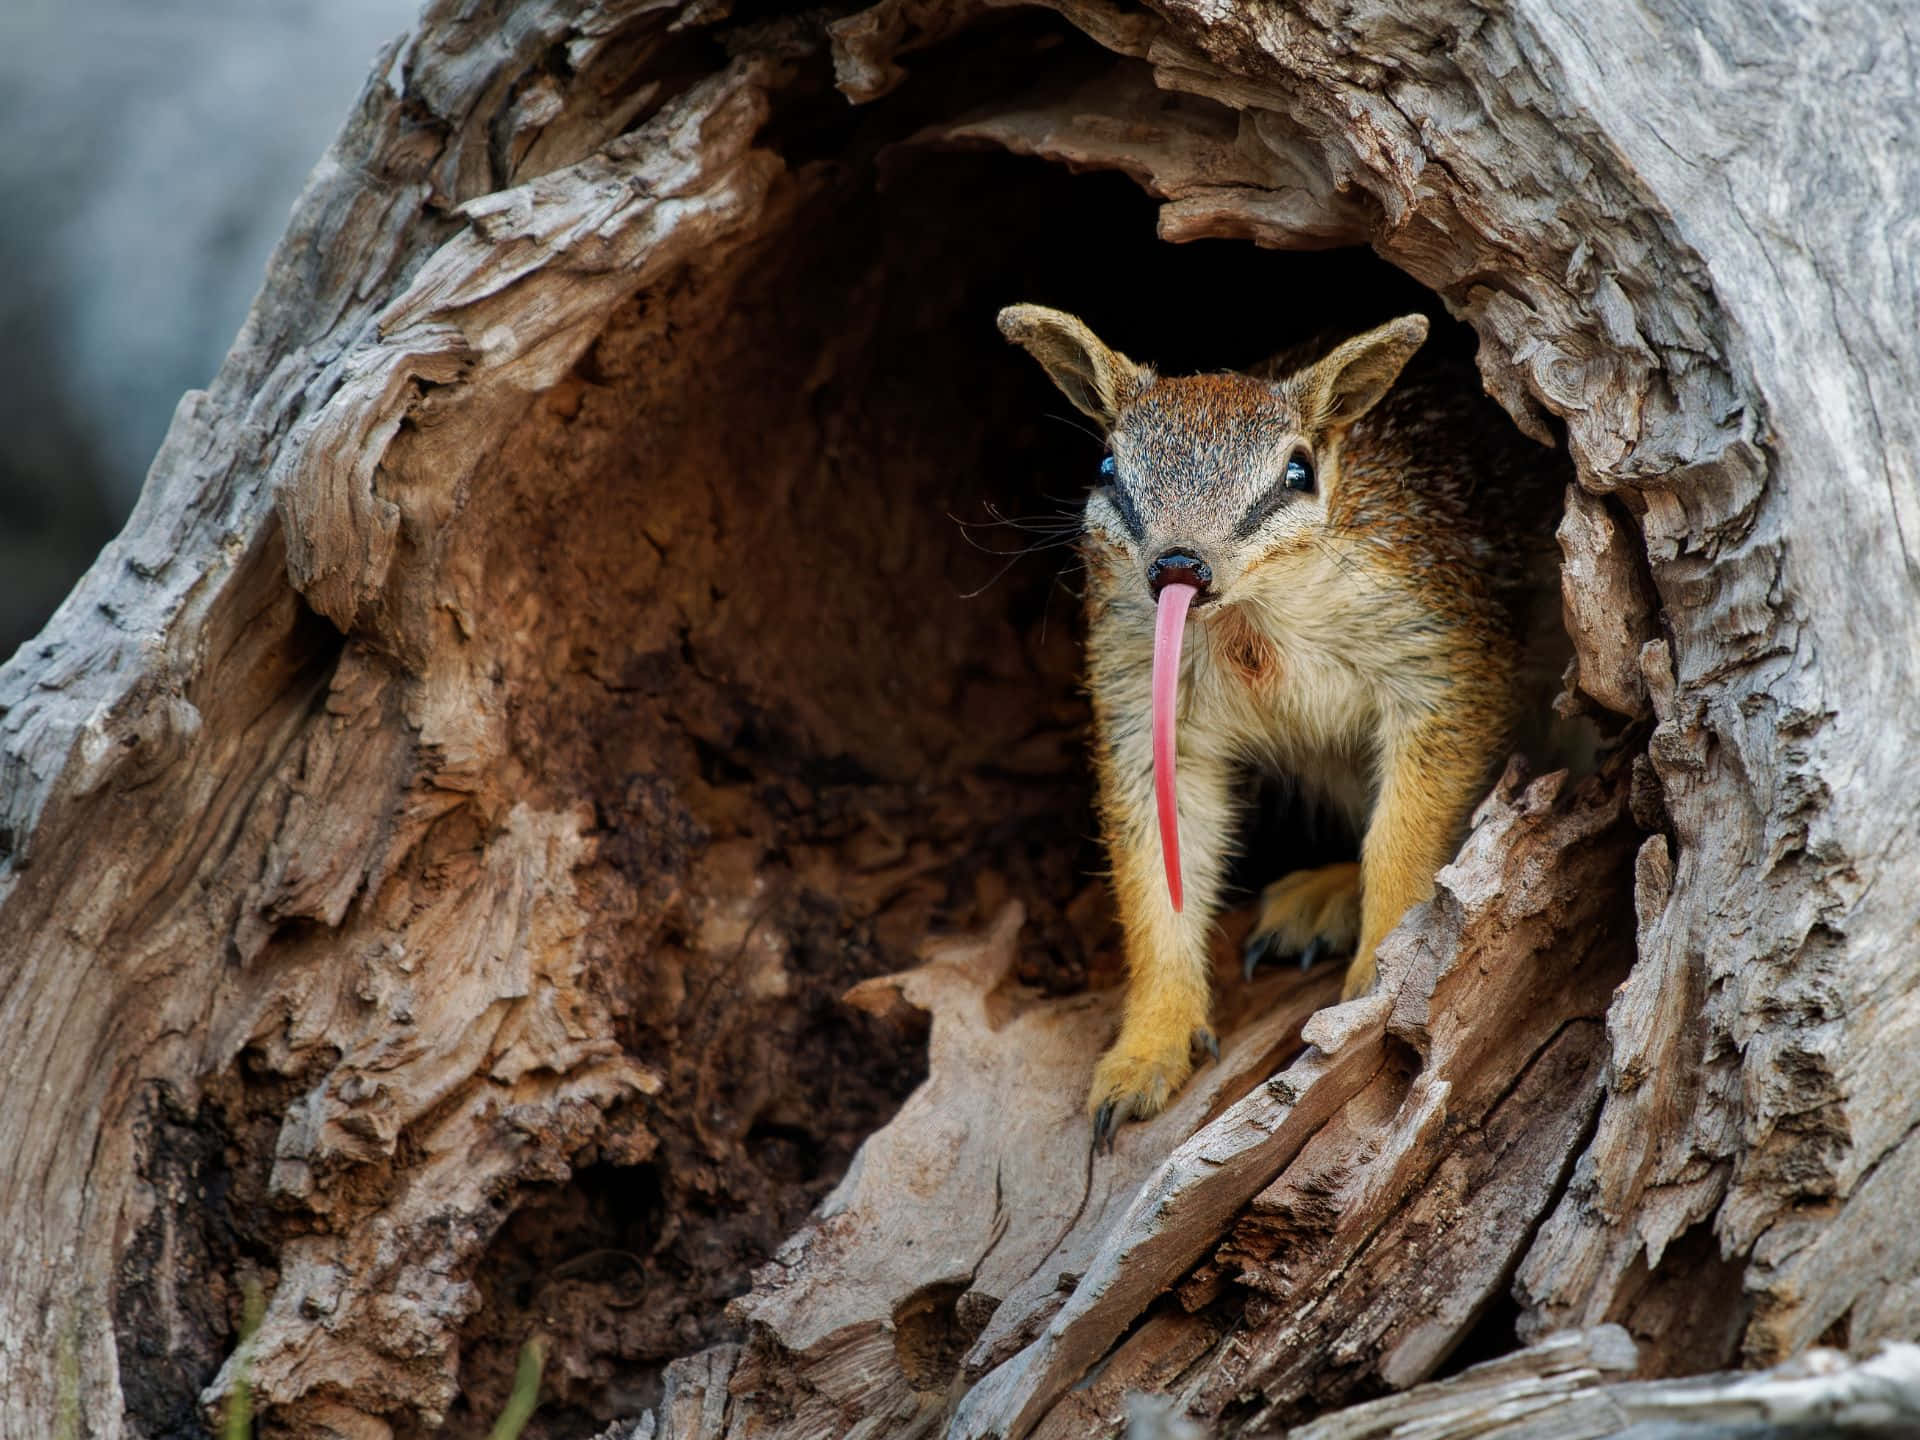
1315,572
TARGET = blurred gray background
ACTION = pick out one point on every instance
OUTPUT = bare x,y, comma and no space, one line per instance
149,153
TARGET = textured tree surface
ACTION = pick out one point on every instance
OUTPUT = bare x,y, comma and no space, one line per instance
543,823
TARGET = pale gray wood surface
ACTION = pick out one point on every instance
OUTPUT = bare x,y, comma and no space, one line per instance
1685,232
1566,1388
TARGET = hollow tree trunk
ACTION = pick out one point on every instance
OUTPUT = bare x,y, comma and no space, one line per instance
536,683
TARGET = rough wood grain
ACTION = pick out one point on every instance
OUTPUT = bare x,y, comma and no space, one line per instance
1563,1389
299,866
1222,172
1551,1388
1606,603
978,1212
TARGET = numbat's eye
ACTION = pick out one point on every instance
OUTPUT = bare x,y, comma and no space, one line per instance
1106,466
1300,474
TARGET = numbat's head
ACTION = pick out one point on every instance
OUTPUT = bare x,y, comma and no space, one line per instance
1208,475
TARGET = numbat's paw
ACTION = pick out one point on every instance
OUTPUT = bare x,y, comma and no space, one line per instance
1309,913
1135,1079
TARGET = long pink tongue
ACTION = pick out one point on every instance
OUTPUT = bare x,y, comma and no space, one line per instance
1170,626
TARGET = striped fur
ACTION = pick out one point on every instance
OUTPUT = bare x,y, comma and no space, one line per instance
1362,639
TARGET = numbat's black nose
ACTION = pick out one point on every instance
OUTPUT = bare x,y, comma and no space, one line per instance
1179,567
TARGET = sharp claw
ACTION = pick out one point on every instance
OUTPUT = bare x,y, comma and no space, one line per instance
1252,953
1103,1127
1315,952
1208,1039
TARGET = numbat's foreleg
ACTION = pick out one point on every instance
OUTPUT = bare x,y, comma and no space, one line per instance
1168,1002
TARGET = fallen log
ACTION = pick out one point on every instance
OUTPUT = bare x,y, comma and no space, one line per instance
543,675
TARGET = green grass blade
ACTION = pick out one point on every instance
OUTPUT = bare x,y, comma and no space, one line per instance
239,1424
526,1392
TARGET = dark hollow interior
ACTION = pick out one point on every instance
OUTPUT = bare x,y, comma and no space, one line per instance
787,561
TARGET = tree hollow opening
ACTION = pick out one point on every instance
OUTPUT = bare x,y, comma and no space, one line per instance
788,559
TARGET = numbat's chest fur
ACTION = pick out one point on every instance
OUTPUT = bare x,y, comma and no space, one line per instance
1296,678
1306,571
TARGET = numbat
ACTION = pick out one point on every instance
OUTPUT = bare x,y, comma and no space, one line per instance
1308,571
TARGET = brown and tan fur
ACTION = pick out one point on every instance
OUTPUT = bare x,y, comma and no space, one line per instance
1361,638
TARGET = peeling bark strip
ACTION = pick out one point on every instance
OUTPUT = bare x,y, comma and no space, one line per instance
977,1213
1560,1389
451,803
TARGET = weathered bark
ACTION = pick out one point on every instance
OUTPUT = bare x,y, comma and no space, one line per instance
534,685
1565,1388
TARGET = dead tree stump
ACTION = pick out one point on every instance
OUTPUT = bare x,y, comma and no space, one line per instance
544,674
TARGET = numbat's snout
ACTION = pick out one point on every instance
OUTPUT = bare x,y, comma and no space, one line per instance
1359,583
1177,567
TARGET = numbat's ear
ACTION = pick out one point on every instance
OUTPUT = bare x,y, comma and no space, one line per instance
1097,380
1350,381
